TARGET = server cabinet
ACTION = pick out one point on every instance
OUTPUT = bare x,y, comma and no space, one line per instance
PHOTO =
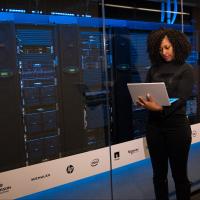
11,133
39,92
72,112
83,93
96,108
121,101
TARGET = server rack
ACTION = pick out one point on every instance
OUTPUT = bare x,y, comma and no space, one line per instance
39,93
96,110
60,90
56,83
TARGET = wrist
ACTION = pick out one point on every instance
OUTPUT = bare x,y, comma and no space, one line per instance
160,108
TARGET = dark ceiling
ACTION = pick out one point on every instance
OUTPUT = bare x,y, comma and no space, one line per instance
77,4
93,7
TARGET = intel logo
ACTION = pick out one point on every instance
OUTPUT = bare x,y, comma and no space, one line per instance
94,162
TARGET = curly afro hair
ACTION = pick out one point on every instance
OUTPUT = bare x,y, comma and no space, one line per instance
179,41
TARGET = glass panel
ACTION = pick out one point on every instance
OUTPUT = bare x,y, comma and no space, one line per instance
66,108
55,107
193,103
128,24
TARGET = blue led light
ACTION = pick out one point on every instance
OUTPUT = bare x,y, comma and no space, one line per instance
62,13
36,12
162,11
14,10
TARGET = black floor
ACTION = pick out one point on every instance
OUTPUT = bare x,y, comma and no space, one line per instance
196,195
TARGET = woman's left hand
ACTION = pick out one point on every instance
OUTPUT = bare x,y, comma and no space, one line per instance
149,103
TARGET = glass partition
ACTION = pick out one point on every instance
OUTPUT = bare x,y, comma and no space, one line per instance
55,107
69,129
128,24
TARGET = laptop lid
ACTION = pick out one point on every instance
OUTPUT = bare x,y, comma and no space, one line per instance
157,90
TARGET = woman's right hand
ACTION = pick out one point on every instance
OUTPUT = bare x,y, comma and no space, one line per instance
149,103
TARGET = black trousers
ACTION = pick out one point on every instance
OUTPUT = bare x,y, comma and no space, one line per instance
169,142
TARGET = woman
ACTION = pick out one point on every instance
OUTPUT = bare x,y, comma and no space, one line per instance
168,130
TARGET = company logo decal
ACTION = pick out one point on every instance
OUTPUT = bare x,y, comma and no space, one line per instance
70,169
132,151
4,189
40,177
94,162
194,133
117,155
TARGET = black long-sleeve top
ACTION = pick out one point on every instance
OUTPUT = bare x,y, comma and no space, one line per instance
179,83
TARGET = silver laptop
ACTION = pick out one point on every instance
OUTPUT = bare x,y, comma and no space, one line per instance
156,90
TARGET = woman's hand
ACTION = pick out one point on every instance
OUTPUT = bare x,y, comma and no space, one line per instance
149,103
